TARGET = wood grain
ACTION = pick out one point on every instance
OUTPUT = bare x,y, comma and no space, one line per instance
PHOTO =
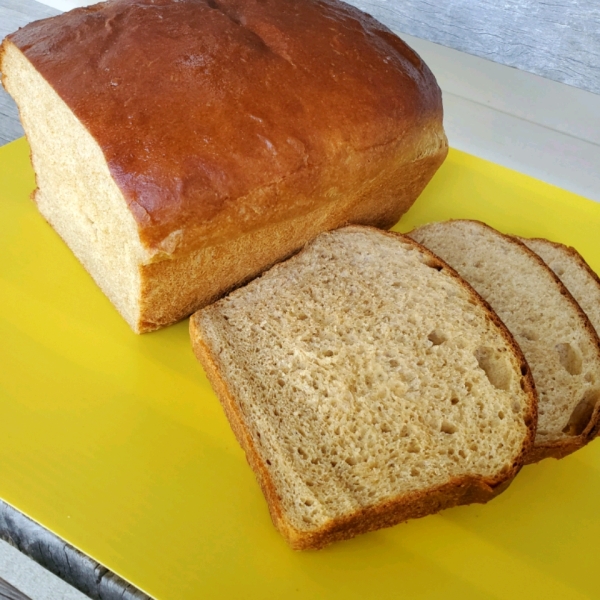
8,592
15,14
558,39
60,558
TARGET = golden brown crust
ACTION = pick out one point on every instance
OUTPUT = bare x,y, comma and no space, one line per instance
3,47
172,289
464,490
204,117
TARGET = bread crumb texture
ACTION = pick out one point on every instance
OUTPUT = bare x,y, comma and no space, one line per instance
365,371
558,341
577,276
76,193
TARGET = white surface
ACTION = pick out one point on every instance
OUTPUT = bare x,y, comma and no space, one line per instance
534,125
65,5
555,105
545,129
31,579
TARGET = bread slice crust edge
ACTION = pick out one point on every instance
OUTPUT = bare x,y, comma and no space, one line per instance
555,448
560,448
593,428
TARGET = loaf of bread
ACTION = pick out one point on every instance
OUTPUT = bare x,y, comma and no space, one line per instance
368,384
557,338
182,146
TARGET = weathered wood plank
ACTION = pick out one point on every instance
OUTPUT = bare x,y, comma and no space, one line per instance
557,39
8,592
15,14
62,559
10,126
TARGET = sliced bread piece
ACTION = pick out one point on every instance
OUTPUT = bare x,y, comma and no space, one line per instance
577,276
368,384
557,338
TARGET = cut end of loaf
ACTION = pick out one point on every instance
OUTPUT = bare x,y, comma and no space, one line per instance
76,193
555,335
368,385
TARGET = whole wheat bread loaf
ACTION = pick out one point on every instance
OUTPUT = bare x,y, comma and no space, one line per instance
557,338
183,146
368,384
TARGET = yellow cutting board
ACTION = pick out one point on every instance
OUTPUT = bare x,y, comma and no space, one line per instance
116,442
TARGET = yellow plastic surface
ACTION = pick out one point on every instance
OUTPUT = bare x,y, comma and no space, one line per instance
117,444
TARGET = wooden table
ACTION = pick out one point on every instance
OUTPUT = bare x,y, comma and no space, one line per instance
15,14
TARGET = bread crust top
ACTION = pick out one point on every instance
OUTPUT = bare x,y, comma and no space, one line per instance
197,104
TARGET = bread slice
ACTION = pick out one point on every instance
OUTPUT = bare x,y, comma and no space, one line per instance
576,275
555,335
368,384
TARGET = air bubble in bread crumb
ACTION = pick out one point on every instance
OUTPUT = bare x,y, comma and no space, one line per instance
570,358
413,447
495,365
448,427
437,337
